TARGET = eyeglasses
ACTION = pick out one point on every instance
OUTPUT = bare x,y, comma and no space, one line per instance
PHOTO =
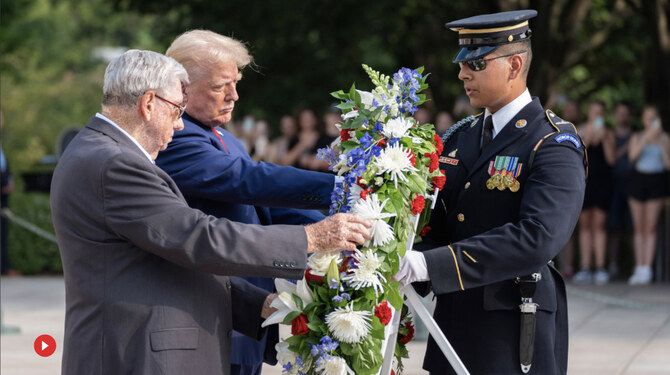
180,107
480,64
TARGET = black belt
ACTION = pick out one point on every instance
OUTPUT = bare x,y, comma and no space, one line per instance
527,286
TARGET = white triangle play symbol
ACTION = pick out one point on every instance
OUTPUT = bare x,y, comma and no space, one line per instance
44,345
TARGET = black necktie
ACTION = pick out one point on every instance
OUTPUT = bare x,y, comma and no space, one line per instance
487,135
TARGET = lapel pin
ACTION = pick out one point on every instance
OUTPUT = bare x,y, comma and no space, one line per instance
452,154
520,124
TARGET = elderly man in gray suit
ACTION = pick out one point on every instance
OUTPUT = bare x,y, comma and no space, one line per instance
146,280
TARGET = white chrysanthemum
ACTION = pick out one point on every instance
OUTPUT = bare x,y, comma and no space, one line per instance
349,325
397,127
370,209
284,303
320,261
335,366
367,274
395,160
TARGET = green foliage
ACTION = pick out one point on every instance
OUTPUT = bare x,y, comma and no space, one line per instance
28,252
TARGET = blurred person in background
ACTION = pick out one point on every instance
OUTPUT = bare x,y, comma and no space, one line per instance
331,118
569,113
423,116
649,153
307,137
600,146
259,142
216,174
6,187
279,146
618,217
462,108
443,121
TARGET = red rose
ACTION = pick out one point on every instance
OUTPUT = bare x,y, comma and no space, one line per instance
439,146
410,334
412,159
434,162
439,181
417,205
383,312
344,135
382,143
425,231
315,278
299,325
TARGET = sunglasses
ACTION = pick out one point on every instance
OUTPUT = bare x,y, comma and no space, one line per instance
180,107
480,64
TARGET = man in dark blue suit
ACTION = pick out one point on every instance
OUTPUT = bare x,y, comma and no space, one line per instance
515,178
215,173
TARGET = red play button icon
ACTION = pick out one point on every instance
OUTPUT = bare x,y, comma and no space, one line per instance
45,345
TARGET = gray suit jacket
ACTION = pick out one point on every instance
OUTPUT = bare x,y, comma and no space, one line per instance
143,295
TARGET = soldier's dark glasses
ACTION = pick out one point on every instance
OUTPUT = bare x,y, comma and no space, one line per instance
480,64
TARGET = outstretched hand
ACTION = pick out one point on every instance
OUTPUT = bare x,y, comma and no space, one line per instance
412,268
338,232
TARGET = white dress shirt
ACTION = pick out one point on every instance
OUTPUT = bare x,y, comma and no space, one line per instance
507,113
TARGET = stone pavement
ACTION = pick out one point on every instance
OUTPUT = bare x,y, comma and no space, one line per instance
614,329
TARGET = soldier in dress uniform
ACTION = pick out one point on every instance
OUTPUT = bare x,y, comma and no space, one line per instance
515,177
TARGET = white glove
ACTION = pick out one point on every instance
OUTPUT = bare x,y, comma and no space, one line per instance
413,268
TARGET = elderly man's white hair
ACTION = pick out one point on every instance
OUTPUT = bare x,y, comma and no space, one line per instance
135,72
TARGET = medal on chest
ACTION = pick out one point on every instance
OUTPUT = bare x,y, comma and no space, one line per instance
503,171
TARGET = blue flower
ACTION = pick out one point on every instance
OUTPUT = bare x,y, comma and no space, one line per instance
366,140
375,150
327,154
378,127
333,284
287,367
314,351
346,296
298,361
337,299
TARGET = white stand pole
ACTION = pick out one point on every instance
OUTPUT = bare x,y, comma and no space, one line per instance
413,300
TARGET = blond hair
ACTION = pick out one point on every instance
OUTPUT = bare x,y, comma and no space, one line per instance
196,50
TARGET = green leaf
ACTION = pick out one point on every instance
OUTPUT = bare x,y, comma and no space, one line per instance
297,300
393,295
340,95
295,340
290,316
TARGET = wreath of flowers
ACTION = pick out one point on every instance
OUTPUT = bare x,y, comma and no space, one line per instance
340,310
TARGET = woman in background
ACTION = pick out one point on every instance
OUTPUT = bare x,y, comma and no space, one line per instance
649,153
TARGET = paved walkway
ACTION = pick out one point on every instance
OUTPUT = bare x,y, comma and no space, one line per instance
614,329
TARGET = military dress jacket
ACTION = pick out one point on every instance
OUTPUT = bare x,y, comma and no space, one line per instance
489,230
140,266
216,175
